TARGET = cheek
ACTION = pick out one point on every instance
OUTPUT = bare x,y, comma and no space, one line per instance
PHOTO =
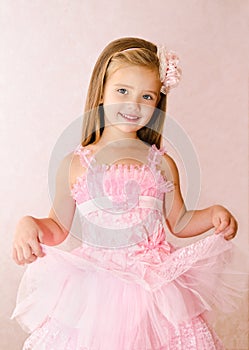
147,110
111,100
111,110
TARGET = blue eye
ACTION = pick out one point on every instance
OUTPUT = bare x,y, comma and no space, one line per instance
147,97
123,91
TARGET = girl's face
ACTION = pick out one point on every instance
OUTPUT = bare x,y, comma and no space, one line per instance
130,96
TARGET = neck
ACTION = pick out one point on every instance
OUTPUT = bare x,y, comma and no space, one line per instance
111,135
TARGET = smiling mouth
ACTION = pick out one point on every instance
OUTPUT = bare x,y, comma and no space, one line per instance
129,117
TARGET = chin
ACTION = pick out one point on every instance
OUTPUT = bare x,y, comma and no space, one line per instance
126,128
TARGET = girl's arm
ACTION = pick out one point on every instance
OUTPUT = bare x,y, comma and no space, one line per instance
187,223
30,231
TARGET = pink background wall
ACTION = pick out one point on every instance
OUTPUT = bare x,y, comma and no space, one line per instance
48,50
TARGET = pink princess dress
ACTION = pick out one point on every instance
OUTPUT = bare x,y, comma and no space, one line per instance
125,287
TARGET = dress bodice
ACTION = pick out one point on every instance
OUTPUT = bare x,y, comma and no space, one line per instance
120,204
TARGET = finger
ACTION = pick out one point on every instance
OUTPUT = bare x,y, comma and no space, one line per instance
225,222
15,257
40,236
19,251
23,261
230,236
27,252
19,261
14,254
36,248
31,259
229,232
234,224
216,223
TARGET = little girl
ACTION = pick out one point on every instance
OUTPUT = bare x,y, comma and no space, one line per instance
126,287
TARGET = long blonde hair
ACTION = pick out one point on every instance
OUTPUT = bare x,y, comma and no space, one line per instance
116,54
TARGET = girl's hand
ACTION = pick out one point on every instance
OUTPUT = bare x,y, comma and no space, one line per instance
224,222
26,243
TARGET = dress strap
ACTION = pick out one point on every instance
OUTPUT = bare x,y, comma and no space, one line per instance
86,156
155,155
153,158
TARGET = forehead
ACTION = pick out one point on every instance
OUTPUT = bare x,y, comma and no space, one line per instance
133,74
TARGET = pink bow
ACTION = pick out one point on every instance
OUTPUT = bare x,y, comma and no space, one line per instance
161,150
153,248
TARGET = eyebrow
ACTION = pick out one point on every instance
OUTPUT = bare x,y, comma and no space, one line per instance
131,87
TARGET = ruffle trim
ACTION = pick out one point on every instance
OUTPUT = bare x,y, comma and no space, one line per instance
109,180
78,285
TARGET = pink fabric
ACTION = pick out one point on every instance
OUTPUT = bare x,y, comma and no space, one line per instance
143,296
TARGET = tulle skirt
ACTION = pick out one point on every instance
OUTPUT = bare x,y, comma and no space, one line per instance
103,299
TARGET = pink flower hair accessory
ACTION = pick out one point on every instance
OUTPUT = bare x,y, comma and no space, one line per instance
170,72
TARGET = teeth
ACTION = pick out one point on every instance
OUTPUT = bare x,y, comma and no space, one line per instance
129,116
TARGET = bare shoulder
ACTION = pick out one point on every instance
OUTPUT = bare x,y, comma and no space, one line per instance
76,168
75,165
170,169
70,168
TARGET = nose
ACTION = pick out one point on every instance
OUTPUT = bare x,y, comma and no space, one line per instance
133,105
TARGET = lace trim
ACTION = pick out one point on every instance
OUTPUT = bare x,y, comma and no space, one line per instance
137,172
187,336
88,160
